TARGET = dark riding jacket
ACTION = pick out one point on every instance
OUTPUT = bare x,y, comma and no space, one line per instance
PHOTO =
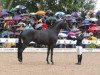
78,38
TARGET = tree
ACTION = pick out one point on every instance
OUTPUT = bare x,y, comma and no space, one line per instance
6,3
67,6
87,4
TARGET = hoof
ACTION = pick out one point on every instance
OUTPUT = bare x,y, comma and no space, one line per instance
78,63
48,63
52,63
19,60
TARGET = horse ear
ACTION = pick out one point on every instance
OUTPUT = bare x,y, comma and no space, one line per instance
65,23
64,20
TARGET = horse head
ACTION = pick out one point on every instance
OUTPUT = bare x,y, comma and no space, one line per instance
61,23
51,21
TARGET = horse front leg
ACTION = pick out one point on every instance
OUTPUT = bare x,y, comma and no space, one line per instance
52,55
48,52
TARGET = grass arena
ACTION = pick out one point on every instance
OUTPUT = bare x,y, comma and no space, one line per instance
34,63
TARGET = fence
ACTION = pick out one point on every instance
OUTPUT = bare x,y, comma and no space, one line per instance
59,41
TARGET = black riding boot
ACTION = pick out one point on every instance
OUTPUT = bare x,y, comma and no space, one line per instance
79,57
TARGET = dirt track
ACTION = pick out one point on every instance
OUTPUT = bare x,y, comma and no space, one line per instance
35,64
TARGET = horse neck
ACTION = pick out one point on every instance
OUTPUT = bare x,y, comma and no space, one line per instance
56,29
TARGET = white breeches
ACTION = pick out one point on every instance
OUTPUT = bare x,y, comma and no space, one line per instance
79,50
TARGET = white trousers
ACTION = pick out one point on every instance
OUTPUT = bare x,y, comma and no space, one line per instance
79,50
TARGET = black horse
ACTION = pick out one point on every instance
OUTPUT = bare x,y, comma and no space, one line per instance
47,37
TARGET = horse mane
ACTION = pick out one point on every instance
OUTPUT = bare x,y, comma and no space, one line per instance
56,23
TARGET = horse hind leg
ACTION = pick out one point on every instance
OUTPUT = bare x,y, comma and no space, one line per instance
20,51
20,56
